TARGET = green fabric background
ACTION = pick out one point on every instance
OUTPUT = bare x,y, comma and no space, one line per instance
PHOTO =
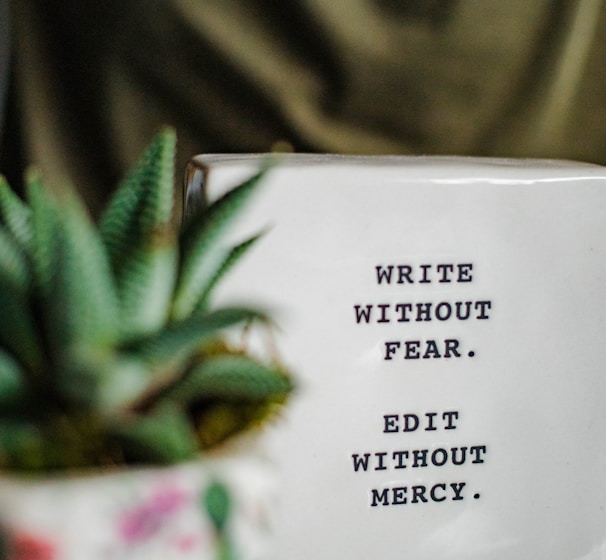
92,81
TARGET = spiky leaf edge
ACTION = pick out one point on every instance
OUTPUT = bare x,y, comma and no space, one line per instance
203,254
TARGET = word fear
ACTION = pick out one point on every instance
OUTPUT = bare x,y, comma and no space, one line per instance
424,349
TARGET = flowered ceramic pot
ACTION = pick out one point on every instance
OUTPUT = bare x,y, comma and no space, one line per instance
211,509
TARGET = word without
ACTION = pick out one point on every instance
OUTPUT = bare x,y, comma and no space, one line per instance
422,312
418,458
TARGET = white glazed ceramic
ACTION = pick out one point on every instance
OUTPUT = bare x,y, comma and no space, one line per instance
447,322
146,514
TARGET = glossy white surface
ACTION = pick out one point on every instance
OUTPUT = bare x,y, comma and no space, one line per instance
532,394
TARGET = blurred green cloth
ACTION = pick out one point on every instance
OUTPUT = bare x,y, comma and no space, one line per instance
92,81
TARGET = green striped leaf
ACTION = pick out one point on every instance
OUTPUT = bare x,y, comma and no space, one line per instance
126,380
145,289
165,437
232,257
81,310
203,253
15,216
18,332
143,202
13,261
46,221
180,340
230,377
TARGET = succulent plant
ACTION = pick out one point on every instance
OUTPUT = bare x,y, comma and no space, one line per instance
110,352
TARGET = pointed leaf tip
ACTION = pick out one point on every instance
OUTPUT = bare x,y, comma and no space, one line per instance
143,202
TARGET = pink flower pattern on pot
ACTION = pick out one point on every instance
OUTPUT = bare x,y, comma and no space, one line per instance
139,514
144,520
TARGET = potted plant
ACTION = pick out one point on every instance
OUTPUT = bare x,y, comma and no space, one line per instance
117,376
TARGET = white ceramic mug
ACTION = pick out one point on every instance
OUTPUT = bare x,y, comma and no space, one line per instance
446,318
